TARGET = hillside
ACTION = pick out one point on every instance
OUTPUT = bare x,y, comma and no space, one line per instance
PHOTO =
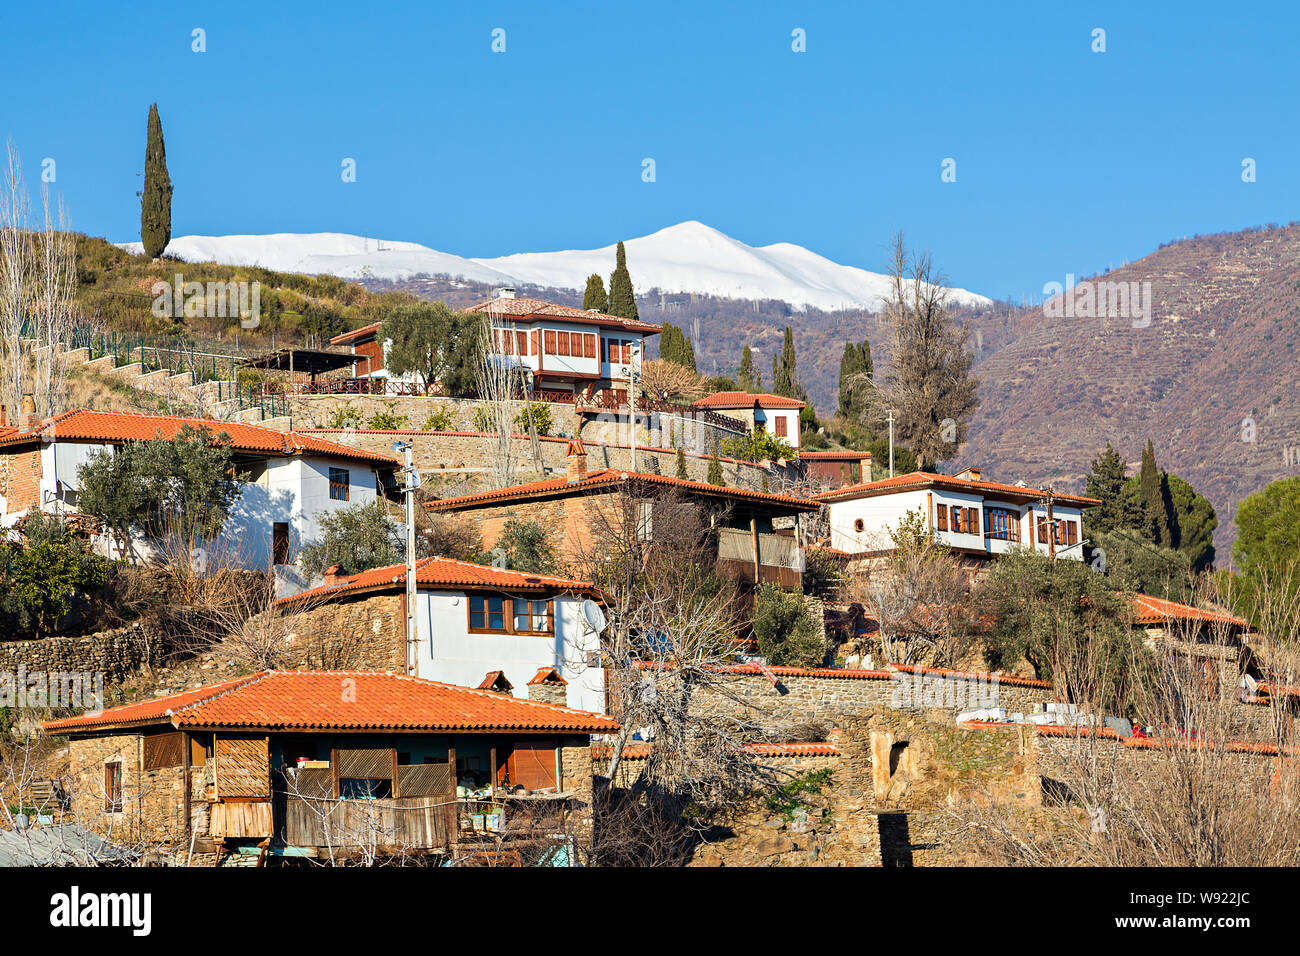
1221,348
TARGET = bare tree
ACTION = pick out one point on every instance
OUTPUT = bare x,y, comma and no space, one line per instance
916,595
667,651
15,283
54,304
499,382
670,382
928,382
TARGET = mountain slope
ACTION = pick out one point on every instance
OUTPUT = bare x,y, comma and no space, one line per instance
1216,368
687,258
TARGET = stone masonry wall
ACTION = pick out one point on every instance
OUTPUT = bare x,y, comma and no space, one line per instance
366,632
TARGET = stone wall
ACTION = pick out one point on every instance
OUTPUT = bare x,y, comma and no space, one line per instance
153,801
20,479
364,632
454,459
115,654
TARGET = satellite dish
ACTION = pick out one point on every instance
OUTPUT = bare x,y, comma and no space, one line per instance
594,615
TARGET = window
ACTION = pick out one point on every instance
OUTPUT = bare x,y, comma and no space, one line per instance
339,489
956,519
280,542
113,787
548,337
163,750
536,335
1002,524
521,342
486,613
563,342
942,514
589,345
532,616
503,615
780,426
858,524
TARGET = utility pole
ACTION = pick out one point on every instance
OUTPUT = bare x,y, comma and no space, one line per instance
410,481
632,377
890,419
1051,528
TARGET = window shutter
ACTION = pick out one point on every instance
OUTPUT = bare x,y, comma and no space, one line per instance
943,517
549,338
780,426
972,521
956,519
1073,532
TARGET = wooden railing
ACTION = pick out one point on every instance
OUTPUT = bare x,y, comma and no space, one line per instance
397,822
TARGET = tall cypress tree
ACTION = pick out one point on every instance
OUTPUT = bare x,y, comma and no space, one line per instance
669,349
622,302
681,463
156,199
749,379
785,381
714,476
855,365
594,297
1152,496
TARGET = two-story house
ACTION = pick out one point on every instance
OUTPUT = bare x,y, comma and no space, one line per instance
562,349
476,625
762,411
972,515
289,479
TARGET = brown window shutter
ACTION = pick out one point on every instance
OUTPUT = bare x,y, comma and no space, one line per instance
549,339
943,517
780,426
972,521
1073,533
532,764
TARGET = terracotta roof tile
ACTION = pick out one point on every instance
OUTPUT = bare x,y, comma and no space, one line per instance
815,749
611,477
746,400
1154,610
841,455
116,427
433,573
548,675
917,480
341,700
536,308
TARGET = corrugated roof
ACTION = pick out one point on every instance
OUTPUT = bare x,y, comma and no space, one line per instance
89,425
341,700
610,477
918,480
438,572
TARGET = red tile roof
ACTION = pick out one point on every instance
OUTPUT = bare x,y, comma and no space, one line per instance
340,700
919,480
538,309
88,425
841,455
746,400
643,751
1154,610
548,675
495,680
442,573
610,478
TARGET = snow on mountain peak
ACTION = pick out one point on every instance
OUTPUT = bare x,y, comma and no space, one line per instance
688,257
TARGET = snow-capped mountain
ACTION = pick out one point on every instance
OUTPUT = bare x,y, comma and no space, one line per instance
688,257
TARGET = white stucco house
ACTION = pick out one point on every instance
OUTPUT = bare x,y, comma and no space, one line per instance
480,626
971,515
775,414
291,478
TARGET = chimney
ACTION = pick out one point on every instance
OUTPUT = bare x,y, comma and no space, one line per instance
29,419
335,575
549,687
576,457
506,292
970,474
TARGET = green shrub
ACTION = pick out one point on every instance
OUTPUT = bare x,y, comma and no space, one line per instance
388,419
345,416
439,421
787,633
540,412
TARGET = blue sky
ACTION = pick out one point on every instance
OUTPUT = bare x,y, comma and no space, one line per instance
1067,160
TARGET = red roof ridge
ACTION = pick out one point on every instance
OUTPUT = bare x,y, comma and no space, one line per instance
736,398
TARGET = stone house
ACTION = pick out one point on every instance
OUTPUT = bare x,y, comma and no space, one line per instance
471,620
761,411
756,539
327,763
291,478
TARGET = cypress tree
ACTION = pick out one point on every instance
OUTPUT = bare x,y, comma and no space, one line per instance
156,199
622,302
715,472
854,366
688,352
1151,495
594,297
669,350
681,464
749,378
784,379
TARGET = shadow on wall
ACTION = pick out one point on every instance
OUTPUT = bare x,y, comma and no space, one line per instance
895,839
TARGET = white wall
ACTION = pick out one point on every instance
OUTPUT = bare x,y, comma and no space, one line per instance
449,653
768,417
879,516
